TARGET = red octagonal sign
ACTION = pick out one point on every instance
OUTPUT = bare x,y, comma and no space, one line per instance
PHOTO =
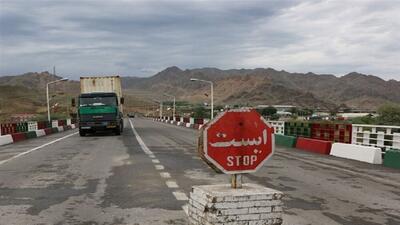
238,141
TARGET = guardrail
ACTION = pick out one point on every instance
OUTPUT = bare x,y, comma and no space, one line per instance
279,126
12,128
385,137
368,143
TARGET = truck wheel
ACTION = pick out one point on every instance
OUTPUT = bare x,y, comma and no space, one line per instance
82,133
118,130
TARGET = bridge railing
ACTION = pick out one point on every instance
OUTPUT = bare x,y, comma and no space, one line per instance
385,137
11,128
279,126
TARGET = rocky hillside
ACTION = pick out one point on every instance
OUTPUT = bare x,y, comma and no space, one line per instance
26,93
269,86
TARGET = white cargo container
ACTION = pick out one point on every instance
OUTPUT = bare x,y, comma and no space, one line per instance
102,84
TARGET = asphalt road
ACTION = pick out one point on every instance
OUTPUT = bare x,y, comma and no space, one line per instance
145,179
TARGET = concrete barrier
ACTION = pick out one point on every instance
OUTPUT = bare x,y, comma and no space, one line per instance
31,134
40,133
18,137
48,131
11,138
285,141
6,139
313,145
361,153
392,159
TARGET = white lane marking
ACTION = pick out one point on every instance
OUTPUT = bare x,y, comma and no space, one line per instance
141,142
171,184
37,148
159,167
180,196
165,175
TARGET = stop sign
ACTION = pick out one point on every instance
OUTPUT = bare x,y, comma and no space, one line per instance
238,141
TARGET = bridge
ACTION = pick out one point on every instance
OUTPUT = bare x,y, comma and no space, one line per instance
145,176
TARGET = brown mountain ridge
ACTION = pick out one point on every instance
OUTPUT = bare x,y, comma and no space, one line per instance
236,86
269,86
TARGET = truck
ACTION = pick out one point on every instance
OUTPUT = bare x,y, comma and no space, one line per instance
99,105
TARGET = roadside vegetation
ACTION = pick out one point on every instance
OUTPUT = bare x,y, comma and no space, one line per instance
388,114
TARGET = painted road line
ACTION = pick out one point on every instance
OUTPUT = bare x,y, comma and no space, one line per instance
37,148
180,196
165,175
159,167
171,184
141,142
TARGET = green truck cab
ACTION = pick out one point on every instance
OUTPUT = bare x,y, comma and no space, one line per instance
100,105
99,111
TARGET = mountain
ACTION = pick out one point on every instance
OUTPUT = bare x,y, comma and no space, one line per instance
26,93
38,81
269,86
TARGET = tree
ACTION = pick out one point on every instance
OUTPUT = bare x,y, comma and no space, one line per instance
308,112
199,112
389,114
368,119
269,111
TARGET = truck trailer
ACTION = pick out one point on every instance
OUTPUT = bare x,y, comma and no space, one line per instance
100,105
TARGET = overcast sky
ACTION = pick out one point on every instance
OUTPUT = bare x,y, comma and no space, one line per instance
140,38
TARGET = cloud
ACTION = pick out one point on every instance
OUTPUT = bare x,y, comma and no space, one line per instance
142,37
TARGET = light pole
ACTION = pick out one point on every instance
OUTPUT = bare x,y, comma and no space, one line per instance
173,110
161,106
212,93
47,95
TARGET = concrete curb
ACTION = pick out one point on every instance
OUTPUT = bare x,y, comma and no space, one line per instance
16,137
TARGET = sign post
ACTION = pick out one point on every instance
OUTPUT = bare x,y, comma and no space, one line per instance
236,142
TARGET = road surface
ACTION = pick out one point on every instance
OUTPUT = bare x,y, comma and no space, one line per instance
145,175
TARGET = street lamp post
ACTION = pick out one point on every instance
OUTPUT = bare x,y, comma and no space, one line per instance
212,93
173,110
161,106
47,96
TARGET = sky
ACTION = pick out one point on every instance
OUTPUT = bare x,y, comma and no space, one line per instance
141,38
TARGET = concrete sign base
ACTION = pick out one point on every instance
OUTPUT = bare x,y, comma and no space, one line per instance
220,204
